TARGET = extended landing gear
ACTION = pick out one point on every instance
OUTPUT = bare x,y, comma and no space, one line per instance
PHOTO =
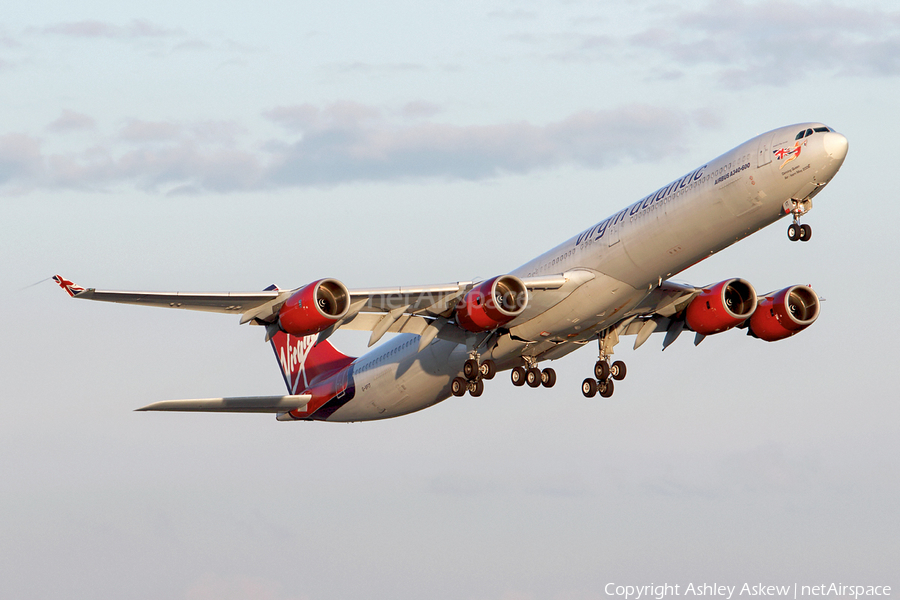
590,387
797,232
533,376
474,375
604,375
473,370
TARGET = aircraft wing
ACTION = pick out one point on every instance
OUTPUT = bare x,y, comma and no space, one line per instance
380,310
224,302
661,310
263,306
244,404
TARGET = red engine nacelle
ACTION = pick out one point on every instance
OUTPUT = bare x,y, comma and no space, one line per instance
722,306
785,313
492,303
314,308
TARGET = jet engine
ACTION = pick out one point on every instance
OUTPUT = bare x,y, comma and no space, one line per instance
492,303
785,313
314,308
722,306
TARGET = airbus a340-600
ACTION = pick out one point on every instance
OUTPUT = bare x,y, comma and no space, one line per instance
609,280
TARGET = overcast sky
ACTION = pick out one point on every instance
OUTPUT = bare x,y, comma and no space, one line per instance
222,146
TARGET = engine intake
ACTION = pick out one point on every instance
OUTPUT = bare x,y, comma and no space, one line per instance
492,303
785,313
314,308
722,306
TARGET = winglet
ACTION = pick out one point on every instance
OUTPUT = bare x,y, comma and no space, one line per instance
71,289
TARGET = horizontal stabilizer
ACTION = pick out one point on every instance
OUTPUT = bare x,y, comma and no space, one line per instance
245,404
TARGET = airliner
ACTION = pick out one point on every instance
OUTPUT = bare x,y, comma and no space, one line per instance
610,280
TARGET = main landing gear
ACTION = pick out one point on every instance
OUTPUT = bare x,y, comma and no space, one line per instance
533,376
474,375
604,372
604,375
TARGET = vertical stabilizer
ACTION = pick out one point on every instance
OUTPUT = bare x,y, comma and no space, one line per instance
302,361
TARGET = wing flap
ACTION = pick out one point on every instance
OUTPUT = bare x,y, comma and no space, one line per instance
242,404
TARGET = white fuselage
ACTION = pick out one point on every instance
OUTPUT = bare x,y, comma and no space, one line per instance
613,266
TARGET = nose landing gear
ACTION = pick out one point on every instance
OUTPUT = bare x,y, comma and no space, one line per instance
796,231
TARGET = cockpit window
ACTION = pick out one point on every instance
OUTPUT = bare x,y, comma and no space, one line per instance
808,133
822,129
800,135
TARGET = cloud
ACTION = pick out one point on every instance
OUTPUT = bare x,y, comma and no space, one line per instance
344,143
181,166
335,144
778,42
743,43
72,121
306,117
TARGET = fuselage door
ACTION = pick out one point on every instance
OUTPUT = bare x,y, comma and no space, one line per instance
613,233
764,154
342,380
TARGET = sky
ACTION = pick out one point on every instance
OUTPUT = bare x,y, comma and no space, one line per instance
225,147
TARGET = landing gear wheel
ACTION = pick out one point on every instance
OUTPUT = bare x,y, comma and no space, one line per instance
476,388
589,388
533,377
618,370
794,232
606,388
601,370
458,386
518,376
470,369
488,369
548,378
805,232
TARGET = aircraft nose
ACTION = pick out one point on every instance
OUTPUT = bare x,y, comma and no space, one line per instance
836,146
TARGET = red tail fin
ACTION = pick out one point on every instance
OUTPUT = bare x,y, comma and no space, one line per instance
302,360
